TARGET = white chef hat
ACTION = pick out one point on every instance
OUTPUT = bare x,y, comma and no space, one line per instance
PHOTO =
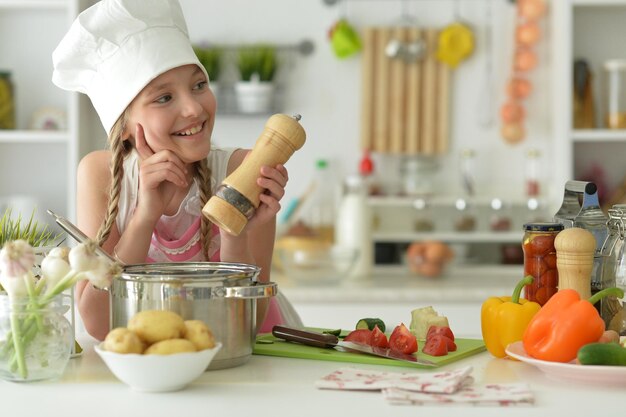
116,47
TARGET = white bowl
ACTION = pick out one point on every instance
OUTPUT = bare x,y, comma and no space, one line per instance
318,265
157,373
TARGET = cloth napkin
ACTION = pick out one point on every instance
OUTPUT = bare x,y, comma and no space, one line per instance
485,395
446,382
454,387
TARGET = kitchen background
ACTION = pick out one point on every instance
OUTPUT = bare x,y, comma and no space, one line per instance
39,165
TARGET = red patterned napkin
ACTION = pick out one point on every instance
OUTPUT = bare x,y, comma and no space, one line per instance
446,382
454,387
490,394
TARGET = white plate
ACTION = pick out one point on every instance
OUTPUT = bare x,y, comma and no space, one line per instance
570,371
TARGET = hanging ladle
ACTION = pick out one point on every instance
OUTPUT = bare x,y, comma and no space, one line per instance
411,51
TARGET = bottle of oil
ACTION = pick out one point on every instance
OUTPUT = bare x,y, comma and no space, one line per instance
320,209
7,108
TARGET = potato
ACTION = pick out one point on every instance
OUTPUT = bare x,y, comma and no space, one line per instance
156,325
170,346
122,340
199,334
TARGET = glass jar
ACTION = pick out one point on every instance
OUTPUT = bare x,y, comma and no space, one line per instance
7,106
613,270
615,91
45,343
540,260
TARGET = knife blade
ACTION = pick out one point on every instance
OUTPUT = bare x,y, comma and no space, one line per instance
323,340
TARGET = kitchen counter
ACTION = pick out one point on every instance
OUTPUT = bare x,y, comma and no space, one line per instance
392,292
271,386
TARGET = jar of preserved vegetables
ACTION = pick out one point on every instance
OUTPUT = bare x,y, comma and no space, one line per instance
613,310
540,260
7,108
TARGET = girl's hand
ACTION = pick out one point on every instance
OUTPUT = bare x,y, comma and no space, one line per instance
273,180
160,175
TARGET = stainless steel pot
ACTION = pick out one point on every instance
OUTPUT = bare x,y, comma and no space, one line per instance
223,295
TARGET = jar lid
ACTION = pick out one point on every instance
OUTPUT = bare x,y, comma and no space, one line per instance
615,64
543,227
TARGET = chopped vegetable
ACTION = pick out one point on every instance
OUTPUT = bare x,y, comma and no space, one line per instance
423,318
370,323
334,332
564,325
436,346
442,330
503,320
402,340
378,338
363,336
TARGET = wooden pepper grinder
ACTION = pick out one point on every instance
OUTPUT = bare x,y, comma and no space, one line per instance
237,198
575,248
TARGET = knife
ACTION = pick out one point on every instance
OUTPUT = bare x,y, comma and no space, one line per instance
324,340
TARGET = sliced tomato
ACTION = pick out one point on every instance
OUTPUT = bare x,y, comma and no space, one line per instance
450,343
442,330
436,346
378,338
402,340
363,336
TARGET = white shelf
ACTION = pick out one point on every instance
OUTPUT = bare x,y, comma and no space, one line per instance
439,200
34,136
450,237
33,4
599,135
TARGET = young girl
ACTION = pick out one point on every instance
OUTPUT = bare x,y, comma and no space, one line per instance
142,199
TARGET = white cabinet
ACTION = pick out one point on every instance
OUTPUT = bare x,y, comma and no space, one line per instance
34,163
592,30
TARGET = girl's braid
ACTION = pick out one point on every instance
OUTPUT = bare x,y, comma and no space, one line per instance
119,149
204,176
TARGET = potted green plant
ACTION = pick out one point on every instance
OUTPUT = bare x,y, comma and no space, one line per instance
257,66
38,236
211,59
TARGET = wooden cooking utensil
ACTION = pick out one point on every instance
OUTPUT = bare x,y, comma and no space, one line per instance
237,198
381,104
396,97
429,98
414,93
368,79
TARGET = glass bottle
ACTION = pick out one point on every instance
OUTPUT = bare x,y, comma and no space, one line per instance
46,340
532,173
615,91
613,270
540,260
320,209
7,106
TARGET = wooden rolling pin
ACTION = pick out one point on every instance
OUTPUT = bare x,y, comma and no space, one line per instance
575,248
237,198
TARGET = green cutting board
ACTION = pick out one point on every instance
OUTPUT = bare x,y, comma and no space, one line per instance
266,344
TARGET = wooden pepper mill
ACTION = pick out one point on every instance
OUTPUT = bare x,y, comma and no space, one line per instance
575,248
237,198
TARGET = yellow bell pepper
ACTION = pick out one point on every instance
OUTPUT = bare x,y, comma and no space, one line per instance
503,320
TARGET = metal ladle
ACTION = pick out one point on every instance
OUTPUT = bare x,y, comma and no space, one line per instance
77,234
409,52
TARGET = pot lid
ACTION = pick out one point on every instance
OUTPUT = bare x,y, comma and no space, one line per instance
183,271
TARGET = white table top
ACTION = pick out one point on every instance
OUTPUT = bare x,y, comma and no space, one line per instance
270,386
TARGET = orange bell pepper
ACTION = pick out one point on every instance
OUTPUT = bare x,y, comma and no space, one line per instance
565,324
504,319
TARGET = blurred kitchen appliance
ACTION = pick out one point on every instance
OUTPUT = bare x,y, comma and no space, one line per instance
581,208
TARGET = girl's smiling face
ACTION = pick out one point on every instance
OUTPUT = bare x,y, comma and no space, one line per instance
177,113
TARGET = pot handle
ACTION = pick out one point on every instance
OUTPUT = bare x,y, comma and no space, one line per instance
252,291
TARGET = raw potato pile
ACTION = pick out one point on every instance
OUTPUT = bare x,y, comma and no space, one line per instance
159,332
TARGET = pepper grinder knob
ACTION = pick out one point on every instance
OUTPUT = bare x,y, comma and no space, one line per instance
237,198
575,249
